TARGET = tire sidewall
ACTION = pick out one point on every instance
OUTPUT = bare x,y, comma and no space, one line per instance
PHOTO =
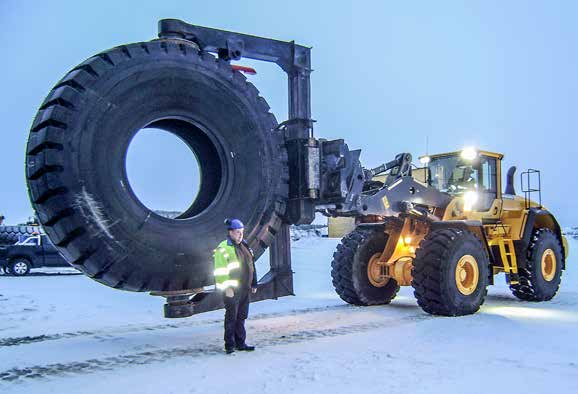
109,132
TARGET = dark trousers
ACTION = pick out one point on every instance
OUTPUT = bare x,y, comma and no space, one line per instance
236,311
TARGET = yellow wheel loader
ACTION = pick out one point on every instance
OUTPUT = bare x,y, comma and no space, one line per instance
446,228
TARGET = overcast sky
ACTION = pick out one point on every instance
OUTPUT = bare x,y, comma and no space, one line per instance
498,75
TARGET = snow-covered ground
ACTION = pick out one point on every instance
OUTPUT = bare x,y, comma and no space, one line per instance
66,333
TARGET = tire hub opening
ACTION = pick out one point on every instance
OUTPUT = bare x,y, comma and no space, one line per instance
173,168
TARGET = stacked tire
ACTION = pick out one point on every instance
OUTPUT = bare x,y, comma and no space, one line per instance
11,234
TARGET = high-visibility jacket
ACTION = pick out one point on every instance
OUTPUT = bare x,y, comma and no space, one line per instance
227,265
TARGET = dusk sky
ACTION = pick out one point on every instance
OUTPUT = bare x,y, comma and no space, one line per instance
502,76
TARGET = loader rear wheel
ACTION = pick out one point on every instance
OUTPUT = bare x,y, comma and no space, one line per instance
450,273
357,277
541,278
76,164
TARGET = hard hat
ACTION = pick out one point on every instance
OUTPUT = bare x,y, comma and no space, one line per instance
233,224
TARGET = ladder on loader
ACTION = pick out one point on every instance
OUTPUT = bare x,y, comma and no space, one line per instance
508,256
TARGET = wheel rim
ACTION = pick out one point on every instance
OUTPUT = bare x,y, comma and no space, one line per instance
376,271
548,265
467,274
20,268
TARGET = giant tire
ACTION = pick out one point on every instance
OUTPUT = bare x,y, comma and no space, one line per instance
434,272
533,286
75,165
9,234
349,269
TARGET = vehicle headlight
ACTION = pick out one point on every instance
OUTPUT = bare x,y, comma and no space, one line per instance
470,198
469,153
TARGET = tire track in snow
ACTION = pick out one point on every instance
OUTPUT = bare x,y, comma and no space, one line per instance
25,340
263,336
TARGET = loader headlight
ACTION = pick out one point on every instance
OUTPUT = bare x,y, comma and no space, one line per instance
470,198
424,160
469,153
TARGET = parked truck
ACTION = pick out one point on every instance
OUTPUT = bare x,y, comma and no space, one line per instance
33,251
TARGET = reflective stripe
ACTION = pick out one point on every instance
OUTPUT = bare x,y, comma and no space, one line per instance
227,283
221,271
226,255
233,265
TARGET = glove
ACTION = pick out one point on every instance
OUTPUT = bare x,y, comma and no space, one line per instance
229,292
253,290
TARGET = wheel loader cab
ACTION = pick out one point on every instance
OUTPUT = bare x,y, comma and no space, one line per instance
473,177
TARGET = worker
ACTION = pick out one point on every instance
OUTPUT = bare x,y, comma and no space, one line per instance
236,278
2,219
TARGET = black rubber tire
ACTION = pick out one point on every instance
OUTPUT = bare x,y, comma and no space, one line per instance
532,286
14,272
77,177
349,269
9,234
434,270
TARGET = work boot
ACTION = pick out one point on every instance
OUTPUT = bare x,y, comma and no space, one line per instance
246,348
229,350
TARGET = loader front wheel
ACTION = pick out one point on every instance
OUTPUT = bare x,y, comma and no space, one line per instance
357,277
450,273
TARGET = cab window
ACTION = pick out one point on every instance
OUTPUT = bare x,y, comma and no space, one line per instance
454,175
488,183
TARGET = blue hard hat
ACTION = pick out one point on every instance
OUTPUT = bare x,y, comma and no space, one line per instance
234,224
